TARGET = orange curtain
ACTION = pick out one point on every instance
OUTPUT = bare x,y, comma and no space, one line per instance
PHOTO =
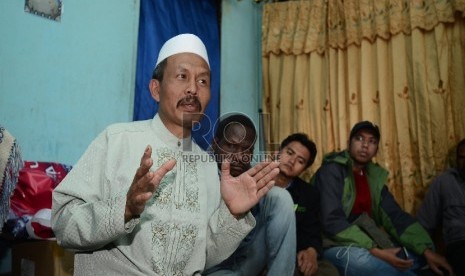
328,64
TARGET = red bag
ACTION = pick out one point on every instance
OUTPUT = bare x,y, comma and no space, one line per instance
36,182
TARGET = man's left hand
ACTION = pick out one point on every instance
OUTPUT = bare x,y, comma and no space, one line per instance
436,261
242,193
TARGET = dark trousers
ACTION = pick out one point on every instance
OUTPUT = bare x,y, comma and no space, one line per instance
455,255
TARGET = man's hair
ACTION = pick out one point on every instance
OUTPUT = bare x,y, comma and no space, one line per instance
459,145
234,118
159,70
366,125
304,140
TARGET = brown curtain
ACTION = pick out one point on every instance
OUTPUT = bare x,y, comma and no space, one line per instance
329,64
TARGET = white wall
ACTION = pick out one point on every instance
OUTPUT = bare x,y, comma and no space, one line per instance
62,82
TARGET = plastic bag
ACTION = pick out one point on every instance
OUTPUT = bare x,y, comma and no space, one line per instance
36,182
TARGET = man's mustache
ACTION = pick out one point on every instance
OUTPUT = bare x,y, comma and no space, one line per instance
189,99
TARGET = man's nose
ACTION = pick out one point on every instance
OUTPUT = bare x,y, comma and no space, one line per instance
292,160
192,88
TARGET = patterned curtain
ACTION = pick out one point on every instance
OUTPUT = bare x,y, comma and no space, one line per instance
330,63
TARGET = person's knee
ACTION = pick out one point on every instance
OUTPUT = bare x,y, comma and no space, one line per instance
278,211
280,200
353,259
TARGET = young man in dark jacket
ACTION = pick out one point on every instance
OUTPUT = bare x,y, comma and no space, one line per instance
354,197
444,206
297,153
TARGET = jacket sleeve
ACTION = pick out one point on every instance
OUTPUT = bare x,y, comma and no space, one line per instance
402,226
429,215
330,180
225,233
83,217
308,222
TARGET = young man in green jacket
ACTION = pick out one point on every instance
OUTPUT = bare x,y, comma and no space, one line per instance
356,204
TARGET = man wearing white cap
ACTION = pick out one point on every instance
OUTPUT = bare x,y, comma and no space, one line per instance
144,199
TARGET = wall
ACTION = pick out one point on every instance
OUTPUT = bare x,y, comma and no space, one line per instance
241,76
62,82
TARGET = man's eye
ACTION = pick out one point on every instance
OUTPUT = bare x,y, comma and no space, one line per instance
204,82
370,141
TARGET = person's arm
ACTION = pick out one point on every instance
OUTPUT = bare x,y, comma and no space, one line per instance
412,235
389,255
429,215
402,226
82,217
309,243
225,233
243,192
87,213
144,184
232,221
308,220
330,182
436,262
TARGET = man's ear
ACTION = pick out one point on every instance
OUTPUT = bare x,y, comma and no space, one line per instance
154,87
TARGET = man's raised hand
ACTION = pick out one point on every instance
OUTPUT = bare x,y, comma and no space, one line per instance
241,193
144,184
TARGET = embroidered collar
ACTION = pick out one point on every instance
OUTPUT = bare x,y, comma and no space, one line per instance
168,138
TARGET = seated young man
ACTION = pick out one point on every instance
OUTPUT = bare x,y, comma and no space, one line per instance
271,244
352,188
297,153
444,205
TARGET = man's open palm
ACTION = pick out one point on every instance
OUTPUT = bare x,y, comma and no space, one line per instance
241,193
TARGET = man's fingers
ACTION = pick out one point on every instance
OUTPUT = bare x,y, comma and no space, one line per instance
143,187
306,268
403,264
266,175
145,163
225,168
150,180
162,171
263,190
139,200
257,168
262,169
436,270
147,154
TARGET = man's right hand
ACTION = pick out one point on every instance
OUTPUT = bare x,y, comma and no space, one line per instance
307,261
144,184
389,255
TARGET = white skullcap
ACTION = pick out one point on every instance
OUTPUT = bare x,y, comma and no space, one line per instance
183,43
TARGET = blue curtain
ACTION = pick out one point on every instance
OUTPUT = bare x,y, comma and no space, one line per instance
161,20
